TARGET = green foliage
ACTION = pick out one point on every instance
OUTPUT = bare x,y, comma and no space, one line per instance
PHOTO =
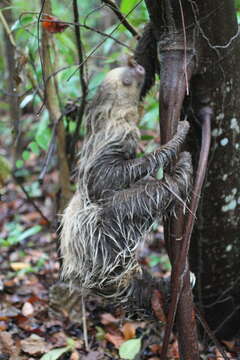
151,117
16,233
163,260
57,353
5,169
129,349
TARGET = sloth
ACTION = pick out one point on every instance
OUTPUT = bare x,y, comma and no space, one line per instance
119,195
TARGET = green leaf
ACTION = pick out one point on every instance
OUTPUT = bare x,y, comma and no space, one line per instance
29,232
55,353
147,137
127,5
129,349
95,81
159,175
150,119
19,164
34,147
71,343
100,333
26,155
154,260
43,138
26,19
5,169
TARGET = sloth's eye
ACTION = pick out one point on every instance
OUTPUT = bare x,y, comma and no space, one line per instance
127,80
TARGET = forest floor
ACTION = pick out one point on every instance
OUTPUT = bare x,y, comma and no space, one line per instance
32,329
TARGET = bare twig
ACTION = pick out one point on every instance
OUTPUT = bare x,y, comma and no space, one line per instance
30,200
7,29
55,114
87,27
84,319
209,332
82,79
102,42
121,17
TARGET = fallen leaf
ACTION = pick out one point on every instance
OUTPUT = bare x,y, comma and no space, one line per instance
155,348
174,351
19,266
129,331
93,355
27,309
3,325
6,343
108,319
34,345
74,356
129,349
10,312
55,353
229,344
116,340
157,306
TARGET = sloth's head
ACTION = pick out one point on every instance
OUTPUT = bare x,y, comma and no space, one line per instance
122,85
117,98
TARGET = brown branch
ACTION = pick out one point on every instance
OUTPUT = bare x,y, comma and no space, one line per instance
174,55
179,269
13,96
121,17
55,113
82,79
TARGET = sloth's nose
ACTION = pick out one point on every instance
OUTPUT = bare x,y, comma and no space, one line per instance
140,70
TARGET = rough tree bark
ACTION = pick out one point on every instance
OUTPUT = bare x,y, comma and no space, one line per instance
208,32
215,254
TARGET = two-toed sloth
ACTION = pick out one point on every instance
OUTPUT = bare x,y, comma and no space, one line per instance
118,195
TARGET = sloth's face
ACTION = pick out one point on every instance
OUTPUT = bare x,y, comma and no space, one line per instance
133,75
124,84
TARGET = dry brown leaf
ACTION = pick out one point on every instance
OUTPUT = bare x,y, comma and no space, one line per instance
6,343
19,266
116,340
75,356
157,306
229,344
129,331
27,309
155,348
3,325
174,351
30,217
34,345
107,319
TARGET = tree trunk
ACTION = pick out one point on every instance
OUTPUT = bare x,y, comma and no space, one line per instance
13,98
215,249
208,29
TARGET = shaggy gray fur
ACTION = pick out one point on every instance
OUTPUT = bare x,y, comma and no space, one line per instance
118,196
